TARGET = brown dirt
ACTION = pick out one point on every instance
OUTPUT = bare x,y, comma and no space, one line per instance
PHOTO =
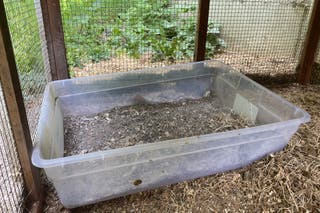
148,123
273,66
263,69
120,64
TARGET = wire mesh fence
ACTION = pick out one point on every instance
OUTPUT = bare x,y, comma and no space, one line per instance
253,35
11,181
24,31
315,74
263,37
318,54
111,35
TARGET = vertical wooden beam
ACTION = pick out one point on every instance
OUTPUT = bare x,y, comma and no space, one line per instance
202,28
52,21
310,48
17,115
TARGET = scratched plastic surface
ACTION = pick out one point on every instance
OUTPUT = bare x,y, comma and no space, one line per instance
89,178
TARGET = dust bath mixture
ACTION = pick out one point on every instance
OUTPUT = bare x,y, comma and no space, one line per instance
147,123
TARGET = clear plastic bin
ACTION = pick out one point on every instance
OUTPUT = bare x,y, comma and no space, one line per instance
89,178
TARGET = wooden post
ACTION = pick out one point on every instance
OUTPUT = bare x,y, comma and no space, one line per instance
310,48
17,115
202,28
52,21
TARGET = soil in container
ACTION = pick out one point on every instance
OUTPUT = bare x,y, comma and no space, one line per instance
146,123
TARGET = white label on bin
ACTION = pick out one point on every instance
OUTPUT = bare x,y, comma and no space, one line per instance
245,108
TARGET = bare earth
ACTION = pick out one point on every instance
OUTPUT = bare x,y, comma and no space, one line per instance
148,123
245,63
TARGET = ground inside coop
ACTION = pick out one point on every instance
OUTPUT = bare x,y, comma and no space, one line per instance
282,68
147,123
285,181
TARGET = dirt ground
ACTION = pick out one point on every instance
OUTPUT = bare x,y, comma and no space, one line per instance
145,122
273,66
284,181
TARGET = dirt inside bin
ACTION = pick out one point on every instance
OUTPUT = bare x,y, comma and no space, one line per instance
147,123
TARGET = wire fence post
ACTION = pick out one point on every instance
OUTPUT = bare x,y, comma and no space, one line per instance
17,115
310,48
52,21
202,28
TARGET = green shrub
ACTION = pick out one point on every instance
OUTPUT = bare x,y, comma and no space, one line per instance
153,26
23,26
83,24
167,32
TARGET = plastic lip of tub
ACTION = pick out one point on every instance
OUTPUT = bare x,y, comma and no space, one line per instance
89,178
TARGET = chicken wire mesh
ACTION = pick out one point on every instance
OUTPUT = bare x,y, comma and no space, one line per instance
318,54
24,31
252,35
33,74
112,35
315,74
11,181
263,37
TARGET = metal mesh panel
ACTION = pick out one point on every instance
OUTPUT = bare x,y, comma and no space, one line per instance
262,36
44,48
315,74
24,30
112,35
11,181
318,54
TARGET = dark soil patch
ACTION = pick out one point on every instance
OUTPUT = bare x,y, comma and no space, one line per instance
147,123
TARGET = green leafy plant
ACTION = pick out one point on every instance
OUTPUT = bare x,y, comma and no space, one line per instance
24,35
165,31
84,23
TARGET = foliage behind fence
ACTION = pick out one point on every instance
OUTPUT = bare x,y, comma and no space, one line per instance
24,31
106,35
160,30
